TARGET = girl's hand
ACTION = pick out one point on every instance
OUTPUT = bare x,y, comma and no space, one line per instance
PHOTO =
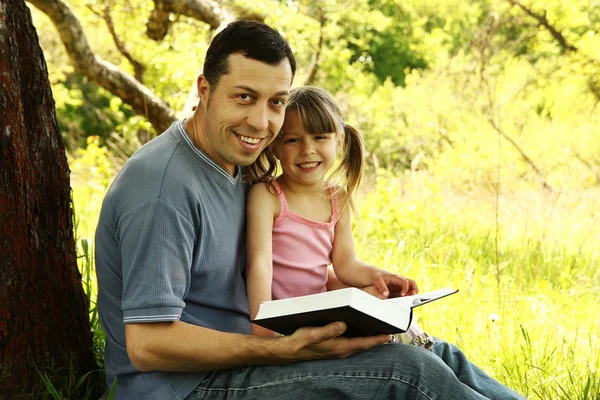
393,285
373,291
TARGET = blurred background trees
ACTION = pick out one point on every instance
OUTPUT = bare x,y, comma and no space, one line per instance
436,85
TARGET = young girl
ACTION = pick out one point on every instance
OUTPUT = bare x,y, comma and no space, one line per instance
299,221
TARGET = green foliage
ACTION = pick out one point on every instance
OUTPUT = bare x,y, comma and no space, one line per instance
61,384
381,37
83,109
91,173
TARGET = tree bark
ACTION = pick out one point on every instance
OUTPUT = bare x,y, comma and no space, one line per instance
43,310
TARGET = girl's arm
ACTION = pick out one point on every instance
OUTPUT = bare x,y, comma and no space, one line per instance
354,272
333,283
261,208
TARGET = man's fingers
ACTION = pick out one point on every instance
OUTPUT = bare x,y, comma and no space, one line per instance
328,332
343,347
325,342
365,343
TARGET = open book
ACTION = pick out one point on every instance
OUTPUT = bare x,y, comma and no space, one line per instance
364,315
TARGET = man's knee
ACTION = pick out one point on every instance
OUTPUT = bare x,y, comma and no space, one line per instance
406,356
446,350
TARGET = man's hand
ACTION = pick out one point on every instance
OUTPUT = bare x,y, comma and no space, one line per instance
325,342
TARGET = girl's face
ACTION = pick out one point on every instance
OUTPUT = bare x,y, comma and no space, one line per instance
305,158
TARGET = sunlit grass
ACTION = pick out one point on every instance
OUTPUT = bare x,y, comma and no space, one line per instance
527,269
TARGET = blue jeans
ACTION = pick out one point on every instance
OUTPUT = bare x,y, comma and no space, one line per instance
389,371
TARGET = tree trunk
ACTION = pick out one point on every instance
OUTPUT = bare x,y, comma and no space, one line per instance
44,319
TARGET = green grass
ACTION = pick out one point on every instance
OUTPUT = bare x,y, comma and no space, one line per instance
526,264
527,267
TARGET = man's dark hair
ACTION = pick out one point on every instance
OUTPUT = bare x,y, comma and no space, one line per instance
251,39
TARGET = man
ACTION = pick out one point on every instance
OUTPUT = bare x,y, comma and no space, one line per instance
170,258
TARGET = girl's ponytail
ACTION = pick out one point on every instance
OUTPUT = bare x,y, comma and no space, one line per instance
351,165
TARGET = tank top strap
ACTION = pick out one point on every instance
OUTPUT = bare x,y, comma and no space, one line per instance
282,201
335,213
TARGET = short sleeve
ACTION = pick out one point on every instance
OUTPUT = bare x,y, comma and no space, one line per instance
157,243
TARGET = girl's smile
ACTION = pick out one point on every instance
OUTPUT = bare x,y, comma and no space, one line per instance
309,167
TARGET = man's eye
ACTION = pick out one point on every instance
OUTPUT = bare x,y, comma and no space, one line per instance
245,97
279,102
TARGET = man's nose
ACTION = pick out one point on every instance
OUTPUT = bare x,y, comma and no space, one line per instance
258,118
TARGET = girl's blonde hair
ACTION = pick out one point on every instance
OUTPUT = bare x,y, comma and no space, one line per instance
320,114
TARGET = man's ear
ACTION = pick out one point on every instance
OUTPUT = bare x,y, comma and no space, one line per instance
203,89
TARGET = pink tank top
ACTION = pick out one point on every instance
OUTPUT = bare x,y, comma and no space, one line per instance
301,251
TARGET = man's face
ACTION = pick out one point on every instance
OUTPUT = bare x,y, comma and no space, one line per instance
245,111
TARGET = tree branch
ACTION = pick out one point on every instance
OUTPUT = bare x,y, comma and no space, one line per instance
492,108
524,156
543,21
510,140
314,67
138,67
587,164
206,11
105,74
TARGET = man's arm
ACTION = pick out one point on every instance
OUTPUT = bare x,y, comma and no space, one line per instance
179,346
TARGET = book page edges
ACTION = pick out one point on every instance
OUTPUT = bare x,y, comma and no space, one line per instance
421,298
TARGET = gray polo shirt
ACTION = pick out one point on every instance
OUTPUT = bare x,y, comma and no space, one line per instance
170,244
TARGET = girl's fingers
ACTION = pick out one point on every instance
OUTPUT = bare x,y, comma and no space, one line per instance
379,283
398,281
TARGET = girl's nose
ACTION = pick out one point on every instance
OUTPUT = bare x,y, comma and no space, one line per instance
307,147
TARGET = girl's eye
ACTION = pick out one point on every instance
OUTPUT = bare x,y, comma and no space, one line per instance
292,140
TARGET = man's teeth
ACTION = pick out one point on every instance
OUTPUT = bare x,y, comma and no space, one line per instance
249,140
309,165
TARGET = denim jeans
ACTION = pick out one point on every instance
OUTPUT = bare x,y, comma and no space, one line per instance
389,371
